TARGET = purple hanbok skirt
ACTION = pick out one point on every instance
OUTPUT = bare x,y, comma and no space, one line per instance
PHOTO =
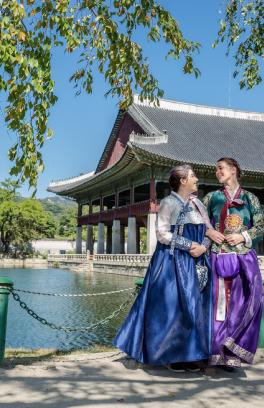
235,339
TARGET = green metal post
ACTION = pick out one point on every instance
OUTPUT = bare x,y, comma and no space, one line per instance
5,285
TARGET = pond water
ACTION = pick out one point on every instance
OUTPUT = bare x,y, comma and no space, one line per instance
24,331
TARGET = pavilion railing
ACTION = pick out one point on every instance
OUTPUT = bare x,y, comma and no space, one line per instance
122,259
78,258
137,209
127,259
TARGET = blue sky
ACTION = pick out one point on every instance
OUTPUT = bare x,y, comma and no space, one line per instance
82,124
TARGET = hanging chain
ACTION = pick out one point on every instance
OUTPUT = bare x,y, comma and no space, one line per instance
102,322
74,294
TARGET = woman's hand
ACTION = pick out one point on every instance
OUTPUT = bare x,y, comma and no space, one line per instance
215,236
234,239
197,250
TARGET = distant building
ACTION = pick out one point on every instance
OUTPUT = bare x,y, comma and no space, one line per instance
145,143
55,246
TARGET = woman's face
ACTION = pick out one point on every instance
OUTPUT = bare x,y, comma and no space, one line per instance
224,172
191,182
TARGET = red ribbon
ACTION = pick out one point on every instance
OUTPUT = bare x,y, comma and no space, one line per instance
228,204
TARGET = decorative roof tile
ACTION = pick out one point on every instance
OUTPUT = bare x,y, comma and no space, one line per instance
202,136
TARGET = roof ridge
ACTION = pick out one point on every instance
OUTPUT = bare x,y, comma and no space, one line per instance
172,105
71,179
143,120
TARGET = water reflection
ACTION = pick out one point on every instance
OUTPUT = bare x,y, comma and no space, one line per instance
24,331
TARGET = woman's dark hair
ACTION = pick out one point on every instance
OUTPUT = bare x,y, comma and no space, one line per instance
178,173
232,162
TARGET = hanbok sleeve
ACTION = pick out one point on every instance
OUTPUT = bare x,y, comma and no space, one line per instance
203,212
163,223
256,232
207,204
163,229
207,242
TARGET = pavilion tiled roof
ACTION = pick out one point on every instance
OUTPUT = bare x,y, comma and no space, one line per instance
202,135
178,132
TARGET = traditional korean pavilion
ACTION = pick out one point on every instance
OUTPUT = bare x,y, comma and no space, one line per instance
145,143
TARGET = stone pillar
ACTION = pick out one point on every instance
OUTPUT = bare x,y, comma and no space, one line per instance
89,239
109,239
100,239
78,249
116,237
132,235
122,239
151,233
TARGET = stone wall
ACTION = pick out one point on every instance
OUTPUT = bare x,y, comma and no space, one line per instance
23,263
133,265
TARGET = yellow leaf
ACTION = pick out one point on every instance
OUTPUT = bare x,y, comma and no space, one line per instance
21,36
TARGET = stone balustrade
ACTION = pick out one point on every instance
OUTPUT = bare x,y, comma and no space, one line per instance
122,264
72,258
123,258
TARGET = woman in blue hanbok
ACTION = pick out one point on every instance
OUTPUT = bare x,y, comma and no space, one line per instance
170,320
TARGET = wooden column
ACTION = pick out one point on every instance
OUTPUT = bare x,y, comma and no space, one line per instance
153,196
79,240
78,249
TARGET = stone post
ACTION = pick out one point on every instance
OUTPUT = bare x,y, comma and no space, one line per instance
116,237
151,233
100,240
132,236
89,239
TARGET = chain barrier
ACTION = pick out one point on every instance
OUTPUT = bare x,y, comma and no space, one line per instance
102,322
74,294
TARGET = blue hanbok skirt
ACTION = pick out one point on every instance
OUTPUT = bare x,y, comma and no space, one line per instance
170,320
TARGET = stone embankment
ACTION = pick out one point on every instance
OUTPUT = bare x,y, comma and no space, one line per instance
37,263
121,264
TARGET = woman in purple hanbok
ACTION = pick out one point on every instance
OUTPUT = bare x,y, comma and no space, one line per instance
238,222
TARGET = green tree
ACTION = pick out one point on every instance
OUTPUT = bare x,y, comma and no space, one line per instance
67,224
8,190
20,223
102,32
242,28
